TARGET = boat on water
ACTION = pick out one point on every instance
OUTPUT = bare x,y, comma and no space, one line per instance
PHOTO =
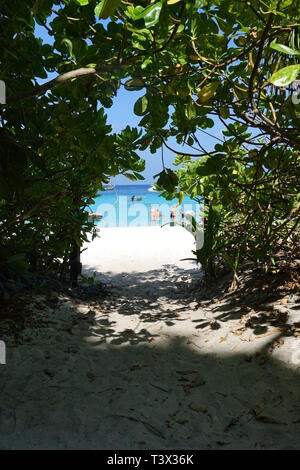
95,217
152,189
108,187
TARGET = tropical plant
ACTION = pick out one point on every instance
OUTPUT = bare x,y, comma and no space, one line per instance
201,64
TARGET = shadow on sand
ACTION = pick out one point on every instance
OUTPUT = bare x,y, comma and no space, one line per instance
79,382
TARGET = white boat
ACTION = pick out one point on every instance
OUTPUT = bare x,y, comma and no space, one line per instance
152,189
108,187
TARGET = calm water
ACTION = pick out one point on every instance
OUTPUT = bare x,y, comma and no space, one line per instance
119,210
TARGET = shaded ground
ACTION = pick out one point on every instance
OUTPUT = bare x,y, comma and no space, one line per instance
151,366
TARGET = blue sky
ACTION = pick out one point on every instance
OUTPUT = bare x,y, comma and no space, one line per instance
121,115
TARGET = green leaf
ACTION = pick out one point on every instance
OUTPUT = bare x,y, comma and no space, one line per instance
141,105
82,2
18,262
134,84
150,15
224,112
133,13
167,180
190,111
285,76
283,48
190,141
69,46
207,92
147,61
106,8
130,176
210,165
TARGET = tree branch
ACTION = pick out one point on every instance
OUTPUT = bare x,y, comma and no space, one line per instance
60,80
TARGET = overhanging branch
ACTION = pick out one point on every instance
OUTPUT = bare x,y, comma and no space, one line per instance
60,80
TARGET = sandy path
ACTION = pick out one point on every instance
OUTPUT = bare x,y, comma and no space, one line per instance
147,368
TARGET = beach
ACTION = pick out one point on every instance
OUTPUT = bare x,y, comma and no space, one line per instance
148,366
135,249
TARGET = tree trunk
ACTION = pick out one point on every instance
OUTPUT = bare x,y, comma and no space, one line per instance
209,269
75,265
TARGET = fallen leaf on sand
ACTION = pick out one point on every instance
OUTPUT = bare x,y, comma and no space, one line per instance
232,422
256,412
192,343
187,387
258,409
153,430
284,300
267,419
276,344
224,338
197,408
160,388
223,442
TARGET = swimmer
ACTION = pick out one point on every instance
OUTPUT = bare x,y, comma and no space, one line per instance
173,216
153,215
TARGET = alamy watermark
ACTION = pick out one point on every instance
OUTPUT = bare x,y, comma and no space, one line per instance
131,211
2,353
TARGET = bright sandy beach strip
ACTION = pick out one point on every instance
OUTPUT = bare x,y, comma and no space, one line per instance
129,249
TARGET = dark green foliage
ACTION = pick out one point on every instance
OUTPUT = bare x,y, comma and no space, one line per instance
200,63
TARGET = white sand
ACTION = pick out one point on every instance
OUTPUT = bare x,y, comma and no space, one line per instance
133,249
146,368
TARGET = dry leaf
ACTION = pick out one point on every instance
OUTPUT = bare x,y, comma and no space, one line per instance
197,408
224,338
223,442
90,375
137,366
284,300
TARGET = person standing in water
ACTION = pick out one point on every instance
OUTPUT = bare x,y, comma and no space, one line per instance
153,215
173,216
182,217
158,216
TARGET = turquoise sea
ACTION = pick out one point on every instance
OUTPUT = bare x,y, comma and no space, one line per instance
119,210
